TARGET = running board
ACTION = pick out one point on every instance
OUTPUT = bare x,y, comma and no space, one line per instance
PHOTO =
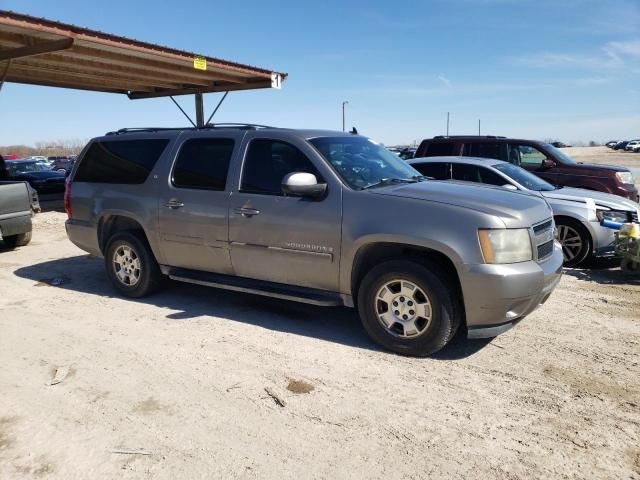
259,287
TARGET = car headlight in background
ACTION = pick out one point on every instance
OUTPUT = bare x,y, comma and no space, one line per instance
618,216
625,177
505,245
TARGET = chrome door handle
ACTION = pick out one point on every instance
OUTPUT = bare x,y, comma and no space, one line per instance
247,212
174,204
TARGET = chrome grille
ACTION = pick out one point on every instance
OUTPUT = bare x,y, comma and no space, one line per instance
634,217
543,237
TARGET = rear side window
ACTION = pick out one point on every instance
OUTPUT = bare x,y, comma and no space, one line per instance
439,149
124,161
268,161
437,170
499,151
203,163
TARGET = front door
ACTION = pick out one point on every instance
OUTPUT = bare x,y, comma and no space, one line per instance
194,205
280,238
531,159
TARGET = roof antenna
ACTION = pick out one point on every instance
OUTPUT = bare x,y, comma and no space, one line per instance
217,107
353,131
183,112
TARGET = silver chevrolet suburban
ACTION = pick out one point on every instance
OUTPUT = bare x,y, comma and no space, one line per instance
321,217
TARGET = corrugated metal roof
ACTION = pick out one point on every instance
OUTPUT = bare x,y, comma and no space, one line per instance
43,52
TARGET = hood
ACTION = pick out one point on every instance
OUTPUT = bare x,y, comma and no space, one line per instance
599,166
516,209
581,195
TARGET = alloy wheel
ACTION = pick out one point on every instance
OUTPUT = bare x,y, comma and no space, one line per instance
403,308
126,265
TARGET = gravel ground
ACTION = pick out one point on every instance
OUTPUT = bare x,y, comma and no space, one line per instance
201,383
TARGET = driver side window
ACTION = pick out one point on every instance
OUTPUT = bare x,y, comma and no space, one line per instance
268,161
531,156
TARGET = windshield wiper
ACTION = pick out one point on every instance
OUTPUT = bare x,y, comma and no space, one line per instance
421,178
390,181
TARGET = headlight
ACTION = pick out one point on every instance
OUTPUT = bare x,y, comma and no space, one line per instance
505,245
617,216
625,177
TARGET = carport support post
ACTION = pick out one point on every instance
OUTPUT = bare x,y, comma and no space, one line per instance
199,110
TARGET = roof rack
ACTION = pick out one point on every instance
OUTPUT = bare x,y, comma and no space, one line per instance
240,126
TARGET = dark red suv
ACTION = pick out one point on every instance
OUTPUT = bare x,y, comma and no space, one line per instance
540,158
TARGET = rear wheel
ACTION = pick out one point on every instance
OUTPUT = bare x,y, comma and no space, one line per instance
131,266
408,307
575,240
19,240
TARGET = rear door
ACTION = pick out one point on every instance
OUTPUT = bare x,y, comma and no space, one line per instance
435,170
282,239
194,203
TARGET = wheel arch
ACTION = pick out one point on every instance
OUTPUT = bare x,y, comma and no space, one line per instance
372,254
110,224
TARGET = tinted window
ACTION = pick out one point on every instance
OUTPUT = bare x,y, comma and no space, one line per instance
492,178
437,170
486,150
477,174
524,178
266,164
203,163
437,149
125,161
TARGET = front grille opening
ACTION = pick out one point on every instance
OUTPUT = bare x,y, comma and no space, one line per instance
537,229
545,250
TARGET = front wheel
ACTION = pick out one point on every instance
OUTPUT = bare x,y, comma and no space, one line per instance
408,307
131,266
575,241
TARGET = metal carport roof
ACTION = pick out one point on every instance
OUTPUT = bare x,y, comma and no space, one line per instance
38,51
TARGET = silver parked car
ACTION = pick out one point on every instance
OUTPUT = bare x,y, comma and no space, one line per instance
321,217
579,213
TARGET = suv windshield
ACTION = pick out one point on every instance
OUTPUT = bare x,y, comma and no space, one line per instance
564,158
524,178
26,167
362,163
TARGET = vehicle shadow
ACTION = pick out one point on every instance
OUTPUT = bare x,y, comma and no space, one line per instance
604,271
85,274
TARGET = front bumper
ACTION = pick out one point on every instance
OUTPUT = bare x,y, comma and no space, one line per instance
496,297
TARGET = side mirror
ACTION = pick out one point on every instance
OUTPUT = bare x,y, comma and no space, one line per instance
546,163
508,186
301,184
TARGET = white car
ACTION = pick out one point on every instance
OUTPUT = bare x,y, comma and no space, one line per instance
633,146
579,214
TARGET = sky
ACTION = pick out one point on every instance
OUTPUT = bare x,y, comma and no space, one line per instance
539,69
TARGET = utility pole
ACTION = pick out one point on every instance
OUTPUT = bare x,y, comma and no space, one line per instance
447,124
478,127
343,104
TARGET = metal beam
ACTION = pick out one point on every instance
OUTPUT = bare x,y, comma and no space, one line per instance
36,49
190,91
199,110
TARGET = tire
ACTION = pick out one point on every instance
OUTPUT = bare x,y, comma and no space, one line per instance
23,239
576,241
630,268
131,266
413,332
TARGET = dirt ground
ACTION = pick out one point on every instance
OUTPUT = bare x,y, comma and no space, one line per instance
201,383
